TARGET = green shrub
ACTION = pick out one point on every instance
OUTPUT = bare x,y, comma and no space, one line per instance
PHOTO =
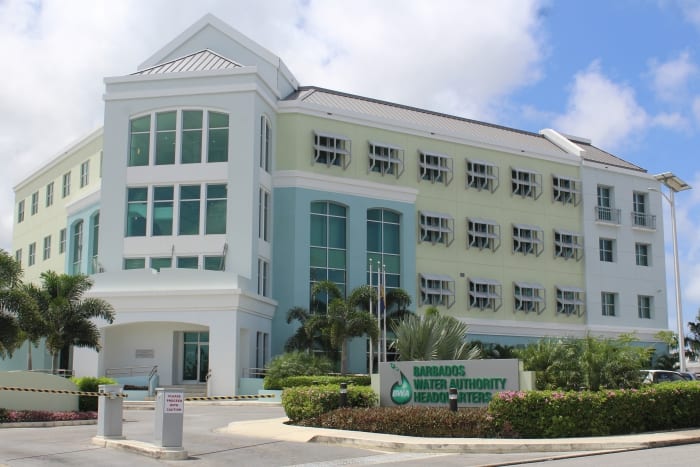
553,414
295,364
304,402
90,384
352,380
435,422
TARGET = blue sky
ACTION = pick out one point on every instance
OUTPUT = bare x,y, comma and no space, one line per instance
623,73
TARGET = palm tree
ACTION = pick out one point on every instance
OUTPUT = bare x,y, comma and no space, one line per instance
15,304
305,338
432,337
68,315
32,325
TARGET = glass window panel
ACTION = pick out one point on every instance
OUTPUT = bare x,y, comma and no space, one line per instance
141,124
138,194
336,276
216,191
163,210
165,121
318,230
336,234
136,212
191,336
319,208
158,263
218,120
393,281
392,264
391,238
391,217
165,148
134,263
318,257
216,217
214,263
336,210
374,215
191,147
336,259
318,274
191,119
189,210
187,262
138,150
374,240
203,337
218,146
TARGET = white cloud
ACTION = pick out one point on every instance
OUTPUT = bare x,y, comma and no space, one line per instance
672,121
669,79
602,110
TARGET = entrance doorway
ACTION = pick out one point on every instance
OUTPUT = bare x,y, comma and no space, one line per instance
195,363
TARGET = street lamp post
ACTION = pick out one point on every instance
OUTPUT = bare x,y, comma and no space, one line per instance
674,185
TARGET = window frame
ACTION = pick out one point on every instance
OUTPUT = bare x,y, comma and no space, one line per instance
62,238
491,298
640,211
65,187
642,258
570,194
84,173
645,306
525,183
568,244
489,238
331,149
47,248
535,240
264,212
534,300
609,307
265,143
436,290
435,167
390,163
49,194
34,208
605,210
31,254
20,211
436,227
604,252
263,277
570,300
478,179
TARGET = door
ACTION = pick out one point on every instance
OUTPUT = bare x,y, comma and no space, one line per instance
195,363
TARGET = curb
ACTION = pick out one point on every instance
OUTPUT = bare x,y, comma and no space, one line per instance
48,424
143,448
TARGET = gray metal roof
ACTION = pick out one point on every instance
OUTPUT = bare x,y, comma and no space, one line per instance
204,60
449,125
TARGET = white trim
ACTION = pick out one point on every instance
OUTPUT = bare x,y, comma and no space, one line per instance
83,202
562,142
345,186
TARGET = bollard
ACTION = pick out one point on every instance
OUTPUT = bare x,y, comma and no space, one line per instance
109,412
453,399
170,410
343,394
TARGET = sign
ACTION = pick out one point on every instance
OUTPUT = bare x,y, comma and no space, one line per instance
428,382
174,402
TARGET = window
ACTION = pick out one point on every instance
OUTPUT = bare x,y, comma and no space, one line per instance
191,145
568,245
84,173
641,253
640,208
31,257
528,297
77,247
218,137
137,205
527,239
263,278
161,263
214,263
35,203
264,215
162,211
95,265
484,294
608,302
437,290
332,149
525,183
434,167
607,249
385,159
139,141
436,228
605,211
165,137
18,256
49,194
188,262
566,190
384,245
134,263
62,241
189,209
261,355
20,211
265,143
570,301
215,222
47,247
482,233
66,184
644,306
328,243
481,175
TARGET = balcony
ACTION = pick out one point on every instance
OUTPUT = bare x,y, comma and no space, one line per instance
647,221
607,214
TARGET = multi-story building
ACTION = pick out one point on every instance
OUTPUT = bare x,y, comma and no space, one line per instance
220,191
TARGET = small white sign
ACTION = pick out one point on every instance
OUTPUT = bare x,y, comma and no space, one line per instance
174,402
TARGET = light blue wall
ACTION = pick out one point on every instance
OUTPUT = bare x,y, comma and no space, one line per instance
86,215
291,254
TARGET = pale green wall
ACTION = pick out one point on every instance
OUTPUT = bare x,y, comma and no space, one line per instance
21,400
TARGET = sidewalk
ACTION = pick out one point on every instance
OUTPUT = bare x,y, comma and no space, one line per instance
278,430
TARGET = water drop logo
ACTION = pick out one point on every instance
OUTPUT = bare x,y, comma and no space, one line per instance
401,392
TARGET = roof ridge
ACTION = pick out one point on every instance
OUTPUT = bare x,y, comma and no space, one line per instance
183,57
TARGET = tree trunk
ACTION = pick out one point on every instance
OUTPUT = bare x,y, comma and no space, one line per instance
344,357
29,355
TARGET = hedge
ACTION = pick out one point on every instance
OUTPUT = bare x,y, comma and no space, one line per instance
90,384
310,401
296,381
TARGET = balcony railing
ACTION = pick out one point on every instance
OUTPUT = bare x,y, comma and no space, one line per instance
640,219
607,214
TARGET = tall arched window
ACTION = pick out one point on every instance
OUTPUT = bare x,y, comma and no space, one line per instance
95,228
384,245
77,246
265,143
328,244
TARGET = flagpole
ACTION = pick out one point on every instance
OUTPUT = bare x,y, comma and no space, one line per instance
384,303
379,317
371,345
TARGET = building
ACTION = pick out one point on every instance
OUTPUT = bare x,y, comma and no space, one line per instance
219,190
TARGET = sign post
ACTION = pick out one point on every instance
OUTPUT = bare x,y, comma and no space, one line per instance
170,410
